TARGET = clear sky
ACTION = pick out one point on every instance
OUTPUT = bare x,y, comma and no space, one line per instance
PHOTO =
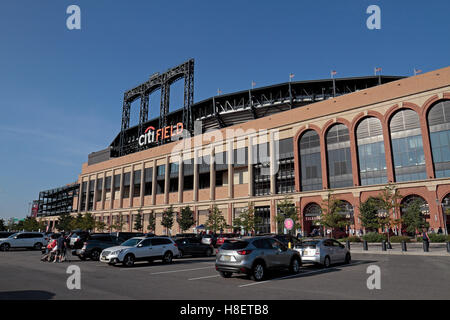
61,91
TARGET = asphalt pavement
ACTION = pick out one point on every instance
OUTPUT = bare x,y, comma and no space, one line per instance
24,276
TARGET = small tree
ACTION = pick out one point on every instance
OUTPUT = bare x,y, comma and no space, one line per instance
186,218
88,222
331,216
31,224
413,218
100,226
77,223
287,209
118,225
65,222
138,221
151,222
216,221
247,219
369,214
2,225
167,219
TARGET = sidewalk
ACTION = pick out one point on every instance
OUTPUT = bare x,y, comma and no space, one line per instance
413,249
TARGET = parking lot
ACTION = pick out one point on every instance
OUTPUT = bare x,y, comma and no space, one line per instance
402,277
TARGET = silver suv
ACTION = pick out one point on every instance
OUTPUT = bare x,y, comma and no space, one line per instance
254,256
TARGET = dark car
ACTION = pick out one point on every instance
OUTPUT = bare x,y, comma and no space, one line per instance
193,246
96,242
77,238
5,234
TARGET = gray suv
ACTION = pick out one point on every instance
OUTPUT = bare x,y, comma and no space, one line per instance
254,256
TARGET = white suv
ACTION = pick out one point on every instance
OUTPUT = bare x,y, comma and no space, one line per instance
141,249
33,240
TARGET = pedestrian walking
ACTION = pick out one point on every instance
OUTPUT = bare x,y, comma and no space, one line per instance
440,230
60,245
425,239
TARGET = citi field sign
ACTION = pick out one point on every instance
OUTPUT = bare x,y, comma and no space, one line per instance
152,135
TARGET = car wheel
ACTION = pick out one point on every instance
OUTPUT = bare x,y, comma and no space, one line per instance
327,262
95,255
209,252
258,271
37,246
168,257
348,258
225,274
295,265
128,261
5,247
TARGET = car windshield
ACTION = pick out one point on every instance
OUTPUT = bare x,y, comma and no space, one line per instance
131,242
234,245
13,235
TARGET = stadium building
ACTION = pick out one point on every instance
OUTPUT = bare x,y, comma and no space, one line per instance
302,139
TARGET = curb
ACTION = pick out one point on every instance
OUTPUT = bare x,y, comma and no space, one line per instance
401,253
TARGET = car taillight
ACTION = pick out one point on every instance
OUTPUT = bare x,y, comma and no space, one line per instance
244,252
175,245
317,251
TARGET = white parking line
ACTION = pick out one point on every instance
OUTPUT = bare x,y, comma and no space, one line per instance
299,275
215,276
182,270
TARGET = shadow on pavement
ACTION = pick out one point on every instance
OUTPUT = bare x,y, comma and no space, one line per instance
26,295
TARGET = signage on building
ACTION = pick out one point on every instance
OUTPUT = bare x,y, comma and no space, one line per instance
152,135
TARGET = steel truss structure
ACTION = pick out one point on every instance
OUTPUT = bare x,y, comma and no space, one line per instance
230,109
143,91
57,201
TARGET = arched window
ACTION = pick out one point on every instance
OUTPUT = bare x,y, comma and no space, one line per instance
371,156
311,215
439,126
339,159
407,148
310,161
406,202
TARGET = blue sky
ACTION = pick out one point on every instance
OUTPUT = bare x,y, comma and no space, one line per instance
61,91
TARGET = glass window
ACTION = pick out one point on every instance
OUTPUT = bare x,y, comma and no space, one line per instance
439,126
339,159
126,185
407,149
99,189
148,177
310,161
137,183
371,156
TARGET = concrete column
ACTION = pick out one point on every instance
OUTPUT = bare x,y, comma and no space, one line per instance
323,159
230,157
130,202
195,196
94,202
79,195
154,183
212,174
121,189
250,166
273,216
141,194
166,181
87,194
111,202
103,191
180,179
273,164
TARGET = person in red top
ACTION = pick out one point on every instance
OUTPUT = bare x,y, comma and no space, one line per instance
50,246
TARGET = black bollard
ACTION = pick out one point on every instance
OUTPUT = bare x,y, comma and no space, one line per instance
426,246
347,243
365,246
383,245
448,246
404,246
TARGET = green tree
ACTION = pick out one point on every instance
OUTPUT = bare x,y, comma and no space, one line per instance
88,222
138,221
118,225
65,222
167,219
2,225
216,221
369,213
77,223
151,222
31,224
247,219
287,209
332,216
100,226
413,218
186,218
